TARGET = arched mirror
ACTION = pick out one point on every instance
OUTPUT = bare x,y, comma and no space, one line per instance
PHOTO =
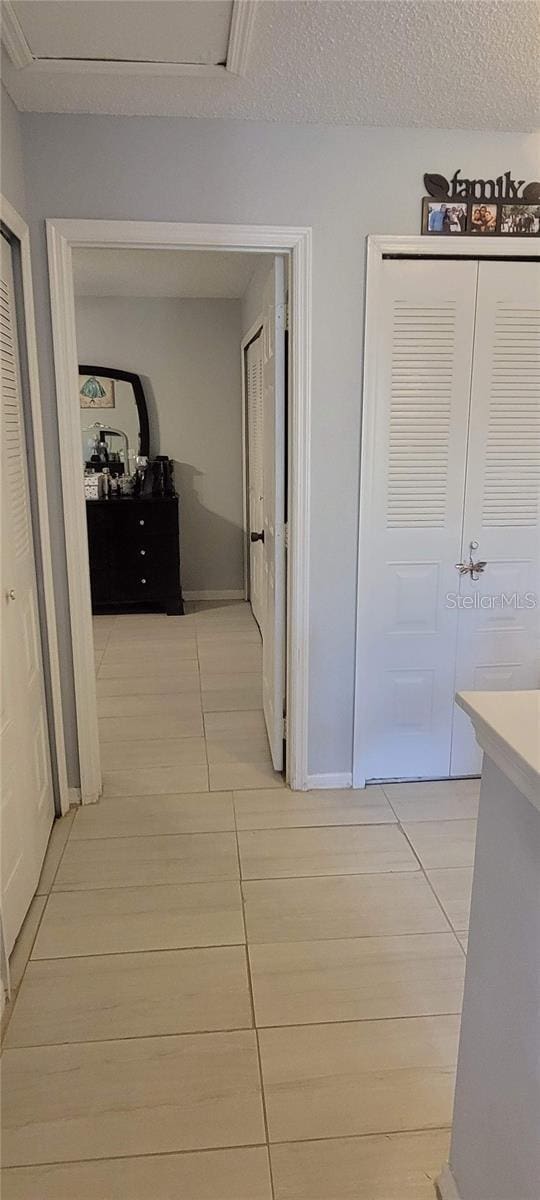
114,418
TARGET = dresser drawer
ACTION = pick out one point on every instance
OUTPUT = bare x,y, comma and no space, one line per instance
149,582
146,550
150,519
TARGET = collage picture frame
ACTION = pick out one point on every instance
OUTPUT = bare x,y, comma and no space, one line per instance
451,218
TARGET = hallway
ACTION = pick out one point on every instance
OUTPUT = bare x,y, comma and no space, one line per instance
234,992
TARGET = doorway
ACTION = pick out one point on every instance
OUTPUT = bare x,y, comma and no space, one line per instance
296,248
449,510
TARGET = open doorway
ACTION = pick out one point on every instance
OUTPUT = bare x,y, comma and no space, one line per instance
215,542
170,442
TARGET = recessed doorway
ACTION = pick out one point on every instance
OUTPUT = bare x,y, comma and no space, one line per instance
86,321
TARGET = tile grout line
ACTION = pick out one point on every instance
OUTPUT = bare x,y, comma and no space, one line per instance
62,1162
45,896
254,1019
430,885
228,945
110,887
97,837
225,1029
9,1008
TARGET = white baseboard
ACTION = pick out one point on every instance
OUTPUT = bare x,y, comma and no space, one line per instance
340,780
223,594
445,1185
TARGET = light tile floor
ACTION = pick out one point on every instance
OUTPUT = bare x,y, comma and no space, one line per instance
226,990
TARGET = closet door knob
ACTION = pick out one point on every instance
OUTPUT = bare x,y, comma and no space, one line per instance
257,537
12,595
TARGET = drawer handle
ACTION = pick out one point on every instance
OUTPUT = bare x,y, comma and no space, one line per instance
141,522
143,552
143,580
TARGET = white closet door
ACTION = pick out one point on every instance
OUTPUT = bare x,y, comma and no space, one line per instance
425,316
498,647
273,547
27,807
254,389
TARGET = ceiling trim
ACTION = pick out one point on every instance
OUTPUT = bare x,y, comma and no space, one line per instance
92,66
242,22
13,37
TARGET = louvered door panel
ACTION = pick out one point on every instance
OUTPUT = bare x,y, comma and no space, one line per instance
498,640
422,374
425,317
12,431
512,456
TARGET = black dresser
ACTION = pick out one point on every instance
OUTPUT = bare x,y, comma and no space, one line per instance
134,551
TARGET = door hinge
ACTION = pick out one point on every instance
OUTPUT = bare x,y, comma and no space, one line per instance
282,315
284,729
286,535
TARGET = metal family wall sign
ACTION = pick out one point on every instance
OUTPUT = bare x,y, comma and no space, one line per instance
500,207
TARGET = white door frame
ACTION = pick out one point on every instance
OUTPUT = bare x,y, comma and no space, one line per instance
15,225
62,237
378,247
249,337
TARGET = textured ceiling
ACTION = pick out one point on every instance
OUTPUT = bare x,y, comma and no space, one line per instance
438,63
183,274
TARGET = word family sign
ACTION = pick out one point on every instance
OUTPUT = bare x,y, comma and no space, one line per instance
502,207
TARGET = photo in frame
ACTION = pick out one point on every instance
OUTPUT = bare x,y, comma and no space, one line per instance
520,219
450,218
96,391
442,217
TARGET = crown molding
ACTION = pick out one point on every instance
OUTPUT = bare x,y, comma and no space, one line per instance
242,22
13,37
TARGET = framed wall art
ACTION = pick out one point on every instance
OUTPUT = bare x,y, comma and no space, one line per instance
498,207
96,391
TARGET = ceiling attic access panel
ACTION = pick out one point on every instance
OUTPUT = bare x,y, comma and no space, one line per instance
153,32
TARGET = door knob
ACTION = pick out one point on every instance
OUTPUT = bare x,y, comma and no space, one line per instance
12,595
257,537
474,569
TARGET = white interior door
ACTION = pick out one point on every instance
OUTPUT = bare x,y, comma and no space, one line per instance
254,395
273,546
425,324
27,805
499,625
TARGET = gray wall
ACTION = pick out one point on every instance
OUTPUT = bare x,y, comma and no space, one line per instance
345,183
12,169
188,353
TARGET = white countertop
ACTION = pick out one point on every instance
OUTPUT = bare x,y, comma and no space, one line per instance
507,727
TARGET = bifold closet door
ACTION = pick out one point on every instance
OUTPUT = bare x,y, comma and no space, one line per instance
254,394
27,806
499,614
425,328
